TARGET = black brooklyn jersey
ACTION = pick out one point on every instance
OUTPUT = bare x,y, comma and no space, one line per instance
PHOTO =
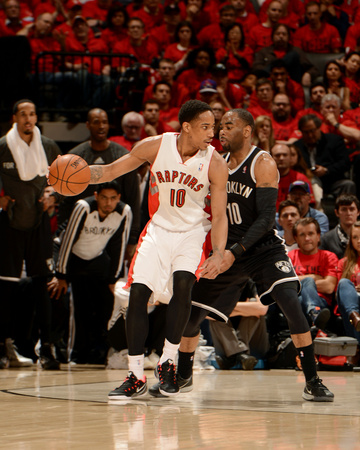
241,204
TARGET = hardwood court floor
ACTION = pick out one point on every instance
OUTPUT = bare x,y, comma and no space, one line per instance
68,409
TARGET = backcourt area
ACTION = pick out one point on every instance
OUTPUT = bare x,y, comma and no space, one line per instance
68,409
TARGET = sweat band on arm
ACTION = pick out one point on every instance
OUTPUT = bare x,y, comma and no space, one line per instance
266,210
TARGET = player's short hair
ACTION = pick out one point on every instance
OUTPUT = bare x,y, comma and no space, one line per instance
19,102
245,116
108,185
191,110
306,221
285,203
346,200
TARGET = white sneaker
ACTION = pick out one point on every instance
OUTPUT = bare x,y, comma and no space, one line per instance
16,360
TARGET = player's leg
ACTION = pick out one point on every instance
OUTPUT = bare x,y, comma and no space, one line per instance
177,316
137,326
286,297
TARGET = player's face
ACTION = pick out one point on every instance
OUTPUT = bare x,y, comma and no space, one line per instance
98,126
201,130
355,238
107,199
25,118
289,215
308,239
231,132
347,214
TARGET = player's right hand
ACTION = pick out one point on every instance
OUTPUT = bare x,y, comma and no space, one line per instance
227,261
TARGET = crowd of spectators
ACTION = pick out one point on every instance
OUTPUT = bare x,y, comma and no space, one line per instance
230,54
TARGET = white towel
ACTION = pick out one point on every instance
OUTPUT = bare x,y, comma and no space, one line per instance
30,159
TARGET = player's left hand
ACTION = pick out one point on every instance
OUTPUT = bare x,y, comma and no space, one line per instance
227,261
211,267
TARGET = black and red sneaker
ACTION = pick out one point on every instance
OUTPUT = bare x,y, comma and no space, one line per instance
167,376
131,388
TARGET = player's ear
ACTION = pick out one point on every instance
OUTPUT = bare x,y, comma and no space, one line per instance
186,127
247,131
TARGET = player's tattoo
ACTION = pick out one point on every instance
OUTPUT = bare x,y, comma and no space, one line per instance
216,250
96,174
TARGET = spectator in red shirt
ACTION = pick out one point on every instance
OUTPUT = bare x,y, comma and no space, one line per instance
96,11
151,13
194,12
351,65
185,41
162,93
317,92
244,16
164,34
11,24
131,124
294,7
281,155
260,35
317,272
166,72
300,68
335,84
230,94
137,43
97,86
116,26
352,38
261,99
285,126
153,124
235,55
199,62
283,84
64,29
317,36
213,35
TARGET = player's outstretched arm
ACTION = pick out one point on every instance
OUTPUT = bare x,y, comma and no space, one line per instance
144,151
218,176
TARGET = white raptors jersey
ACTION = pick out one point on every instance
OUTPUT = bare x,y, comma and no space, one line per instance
182,186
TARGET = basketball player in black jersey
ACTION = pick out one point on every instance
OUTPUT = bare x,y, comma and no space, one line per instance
253,251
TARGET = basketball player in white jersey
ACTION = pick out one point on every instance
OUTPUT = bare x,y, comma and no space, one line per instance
184,168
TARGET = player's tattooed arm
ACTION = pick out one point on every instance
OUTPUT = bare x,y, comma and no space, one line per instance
216,250
96,174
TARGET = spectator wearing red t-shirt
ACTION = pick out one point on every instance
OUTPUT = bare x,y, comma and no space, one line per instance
317,272
96,11
166,72
317,92
164,34
292,12
260,35
168,114
351,64
11,24
153,124
244,16
185,41
195,12
261,99
317,36
137,43
283,84
131,124
285,126
199,62
281,155
231,95
352,38
151,13
115,27
213,35
235,55
64,29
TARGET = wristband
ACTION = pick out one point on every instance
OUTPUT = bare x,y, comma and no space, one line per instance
336,126
237,250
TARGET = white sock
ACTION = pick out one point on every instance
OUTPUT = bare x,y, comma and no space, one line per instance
169,352
136,365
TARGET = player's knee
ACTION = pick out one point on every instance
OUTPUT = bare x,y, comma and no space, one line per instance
183,283
139,295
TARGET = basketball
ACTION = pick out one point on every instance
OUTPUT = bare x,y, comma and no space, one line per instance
69,175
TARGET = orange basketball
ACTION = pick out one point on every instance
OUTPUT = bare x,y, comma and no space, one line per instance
69,175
